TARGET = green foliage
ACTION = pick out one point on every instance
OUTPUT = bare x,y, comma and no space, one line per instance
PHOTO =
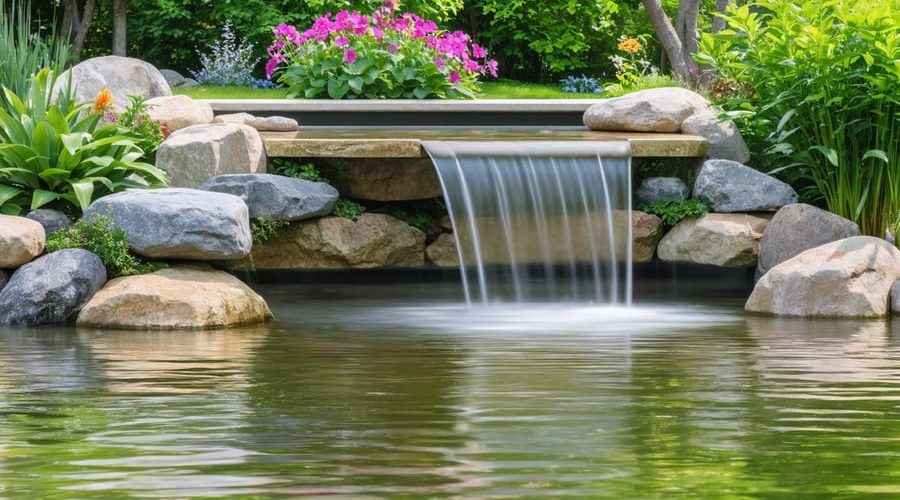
110,244
673,211
263,229
822,95
418,220
651,81
147,132
59,152
292,168
347,208
24,52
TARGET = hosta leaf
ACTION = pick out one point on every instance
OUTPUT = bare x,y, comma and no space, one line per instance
8,192
40,198
84,192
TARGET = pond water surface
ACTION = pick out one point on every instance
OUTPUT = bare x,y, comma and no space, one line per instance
396,391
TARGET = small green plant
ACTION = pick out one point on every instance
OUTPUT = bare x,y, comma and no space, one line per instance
417,220
347,208
292,168
673,211
147,132
263,229
99,236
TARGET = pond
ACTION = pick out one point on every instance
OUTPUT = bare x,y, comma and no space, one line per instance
397,391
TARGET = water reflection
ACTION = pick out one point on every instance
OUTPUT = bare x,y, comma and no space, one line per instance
359,392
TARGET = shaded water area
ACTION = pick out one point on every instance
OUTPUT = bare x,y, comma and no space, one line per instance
522,207
368,391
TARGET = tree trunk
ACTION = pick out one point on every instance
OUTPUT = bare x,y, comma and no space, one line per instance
682,64
70,21
120,26
718,23
87,16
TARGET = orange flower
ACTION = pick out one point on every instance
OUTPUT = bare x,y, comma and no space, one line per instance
103,101
630,45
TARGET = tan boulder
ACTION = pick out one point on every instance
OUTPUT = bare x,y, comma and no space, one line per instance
848,278
175,298
442,252
646,231
373,241
179,111
392,179
728,240
21,240
652,110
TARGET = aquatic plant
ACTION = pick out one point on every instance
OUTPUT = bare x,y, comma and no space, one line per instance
383,55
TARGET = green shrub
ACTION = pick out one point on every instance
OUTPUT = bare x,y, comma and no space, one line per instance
383,55
263,229
147,132
673,211
349,209
60,152
100,237
292,168
63,152
821,92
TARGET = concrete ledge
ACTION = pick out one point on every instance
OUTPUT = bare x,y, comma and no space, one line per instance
379,143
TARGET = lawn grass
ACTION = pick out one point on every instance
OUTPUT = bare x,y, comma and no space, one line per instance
501,89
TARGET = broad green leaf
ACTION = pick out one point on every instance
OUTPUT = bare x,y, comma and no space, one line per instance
84,192
876,153
40,198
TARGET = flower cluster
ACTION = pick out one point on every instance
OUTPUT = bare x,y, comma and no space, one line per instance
230,61
384,54
581,85
634,66
134,122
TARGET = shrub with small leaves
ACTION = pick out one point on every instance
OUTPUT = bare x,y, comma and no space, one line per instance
99,236
305,171
263,229
581,85
349,209
673,211
230,61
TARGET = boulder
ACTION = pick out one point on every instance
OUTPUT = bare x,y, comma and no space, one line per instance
261,123
52,289
653,110
52,220
646,231
442,252
728,186
724,138
392,179
374,241
662,189
849,278
276,197
176,223
123,76
188,83
728,240
200,152
21,240
179,111
798,227
175,298
173,78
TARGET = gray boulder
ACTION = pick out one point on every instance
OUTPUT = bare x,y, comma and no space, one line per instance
724,138
185,224
173,78
849,278
123,76
662,189
52,220
799,227
653,110
188,83
195,154
51,289
276,197
728,186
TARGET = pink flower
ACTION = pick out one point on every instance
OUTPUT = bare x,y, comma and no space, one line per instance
472,66
478,51
440,63
454,77
393,48
271,66
349,56
378,34
492,67
341,41
392,4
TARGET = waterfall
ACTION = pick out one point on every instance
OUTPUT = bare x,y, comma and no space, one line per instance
539,221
